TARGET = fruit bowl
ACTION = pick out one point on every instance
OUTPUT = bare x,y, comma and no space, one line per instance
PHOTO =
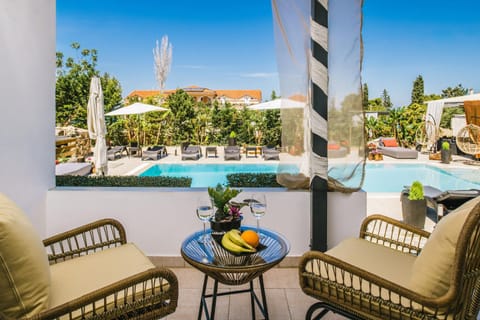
232,242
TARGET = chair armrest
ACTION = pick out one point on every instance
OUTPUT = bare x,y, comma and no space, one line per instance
329,279
393,234
153,292
89,238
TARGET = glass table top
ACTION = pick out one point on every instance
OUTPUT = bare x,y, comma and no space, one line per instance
273,248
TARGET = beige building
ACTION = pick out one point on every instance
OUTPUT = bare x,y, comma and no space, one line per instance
237,98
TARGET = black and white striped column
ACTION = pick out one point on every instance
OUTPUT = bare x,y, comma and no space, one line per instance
318,123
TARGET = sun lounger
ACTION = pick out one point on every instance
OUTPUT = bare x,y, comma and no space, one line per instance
115,152
270,153
389,147
191,153
398,152
335,150
232,153
154,153
73,169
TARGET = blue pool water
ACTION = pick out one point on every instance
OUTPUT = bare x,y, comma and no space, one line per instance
378,177
393,177
209,175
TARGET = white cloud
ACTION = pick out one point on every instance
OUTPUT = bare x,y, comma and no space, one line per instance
259,75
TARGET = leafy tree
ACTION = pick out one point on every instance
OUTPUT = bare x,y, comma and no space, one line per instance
376,105
273,95
430,97
271,128
454,92
365,102
73,86
386,101
447,115
418,90
182,108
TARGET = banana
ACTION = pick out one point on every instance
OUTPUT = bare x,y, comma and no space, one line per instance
235,237
228,244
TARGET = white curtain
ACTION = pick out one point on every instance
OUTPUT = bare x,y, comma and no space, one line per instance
298,39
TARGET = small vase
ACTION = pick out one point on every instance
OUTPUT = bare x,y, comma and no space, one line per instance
219,228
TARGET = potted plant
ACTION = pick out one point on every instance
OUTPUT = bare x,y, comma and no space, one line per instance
232,139
227,214
446,155
414,205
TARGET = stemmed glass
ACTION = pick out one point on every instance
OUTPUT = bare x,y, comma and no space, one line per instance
204,213
258,207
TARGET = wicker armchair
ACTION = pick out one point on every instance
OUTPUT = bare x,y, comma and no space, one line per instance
357,287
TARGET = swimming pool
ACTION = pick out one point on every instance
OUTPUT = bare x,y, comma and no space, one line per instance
393,177
209,175
383,177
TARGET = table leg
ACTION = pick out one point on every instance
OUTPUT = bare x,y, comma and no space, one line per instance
252,299
214,299
264,298
202,299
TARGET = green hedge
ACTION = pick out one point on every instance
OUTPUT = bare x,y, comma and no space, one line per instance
123,181
253,180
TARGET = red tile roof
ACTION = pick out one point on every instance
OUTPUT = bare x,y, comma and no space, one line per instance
232,94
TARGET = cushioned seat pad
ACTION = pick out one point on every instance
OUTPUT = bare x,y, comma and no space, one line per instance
384,262
74,278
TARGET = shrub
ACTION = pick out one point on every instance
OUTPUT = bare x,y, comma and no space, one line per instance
445,145
122,181
253,180
416,191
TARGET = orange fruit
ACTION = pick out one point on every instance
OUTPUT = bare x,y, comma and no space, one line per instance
250,237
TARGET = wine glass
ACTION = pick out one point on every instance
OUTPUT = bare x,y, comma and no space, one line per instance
258,207
204,213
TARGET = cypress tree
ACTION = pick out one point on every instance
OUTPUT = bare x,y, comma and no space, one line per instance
418,91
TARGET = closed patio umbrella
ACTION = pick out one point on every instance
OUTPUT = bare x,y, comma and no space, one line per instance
96,126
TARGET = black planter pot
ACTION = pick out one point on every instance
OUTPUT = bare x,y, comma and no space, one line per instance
219,228
232,141
414,212
446,156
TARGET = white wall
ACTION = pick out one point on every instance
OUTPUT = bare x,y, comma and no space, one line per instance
158,220
27,103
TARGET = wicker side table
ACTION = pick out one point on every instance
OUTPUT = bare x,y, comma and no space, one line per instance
224,267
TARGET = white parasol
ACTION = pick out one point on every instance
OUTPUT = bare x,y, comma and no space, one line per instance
96,126
280,103
136,108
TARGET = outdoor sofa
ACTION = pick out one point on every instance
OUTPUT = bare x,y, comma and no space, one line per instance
389,147
154,153
89,272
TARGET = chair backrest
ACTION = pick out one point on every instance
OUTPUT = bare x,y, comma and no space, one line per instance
465,286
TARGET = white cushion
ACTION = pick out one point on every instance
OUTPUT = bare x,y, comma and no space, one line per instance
24,270
432,270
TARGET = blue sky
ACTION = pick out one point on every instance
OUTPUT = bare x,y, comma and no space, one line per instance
221,46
